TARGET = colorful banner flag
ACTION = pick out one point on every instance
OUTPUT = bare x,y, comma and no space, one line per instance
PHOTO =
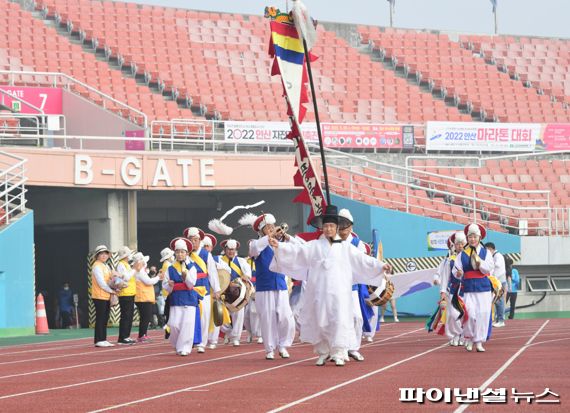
287,49
411,282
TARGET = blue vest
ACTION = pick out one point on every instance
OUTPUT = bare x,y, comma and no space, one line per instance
203,282
267,280
474,285
454,284
182,297
233,273
355,241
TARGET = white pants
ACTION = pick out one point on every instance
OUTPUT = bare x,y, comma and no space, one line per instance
234,332
251,321
358,321
277,323
453,327
323,348
181,322
479,306
373,322
205,318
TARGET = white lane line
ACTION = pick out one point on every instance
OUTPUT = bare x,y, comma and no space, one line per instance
42,349
193,388
348,382
501,369
140,373
83,365
549,341
93,351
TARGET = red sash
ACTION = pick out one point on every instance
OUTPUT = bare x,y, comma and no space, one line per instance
474,274
201,275
181,287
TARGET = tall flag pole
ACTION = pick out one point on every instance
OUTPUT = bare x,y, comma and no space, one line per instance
494,3
290,47
392,8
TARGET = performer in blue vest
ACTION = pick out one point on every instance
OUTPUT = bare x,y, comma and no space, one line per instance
271,297
362,313
474,265
239,268
207,277
183,299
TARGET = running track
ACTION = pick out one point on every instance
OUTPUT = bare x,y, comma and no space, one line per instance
72,375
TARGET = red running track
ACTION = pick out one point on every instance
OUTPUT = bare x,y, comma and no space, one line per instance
529,355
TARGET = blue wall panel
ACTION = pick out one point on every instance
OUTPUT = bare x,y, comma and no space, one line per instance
17,293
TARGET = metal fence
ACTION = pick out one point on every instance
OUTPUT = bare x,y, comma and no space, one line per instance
12,187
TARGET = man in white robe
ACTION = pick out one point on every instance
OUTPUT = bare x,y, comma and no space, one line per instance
330,268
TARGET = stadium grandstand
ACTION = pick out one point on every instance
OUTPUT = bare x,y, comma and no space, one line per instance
124,123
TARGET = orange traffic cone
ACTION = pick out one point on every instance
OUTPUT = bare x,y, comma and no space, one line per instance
41,317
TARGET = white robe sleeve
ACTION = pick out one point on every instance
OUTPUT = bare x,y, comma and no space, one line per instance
444,275
487,265
365,269
143,277
191,276
458,265
213,274
258,245
245,267
292,258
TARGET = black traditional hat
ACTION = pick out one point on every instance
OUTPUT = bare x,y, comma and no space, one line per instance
330,215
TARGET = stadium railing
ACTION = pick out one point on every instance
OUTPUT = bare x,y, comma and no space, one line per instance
61,80
12,187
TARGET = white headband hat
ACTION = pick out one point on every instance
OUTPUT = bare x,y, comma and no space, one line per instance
193,232
207,241
473,229
231,244
165,254
345,213
180,244
140,257
460,237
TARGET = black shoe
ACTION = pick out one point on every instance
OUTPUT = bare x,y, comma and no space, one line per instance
126,342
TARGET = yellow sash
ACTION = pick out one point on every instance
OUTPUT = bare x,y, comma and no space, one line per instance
233,266
199,261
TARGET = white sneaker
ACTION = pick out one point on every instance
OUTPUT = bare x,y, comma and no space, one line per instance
201,349
235,343
461,341
381,319
499,324
469,346
322,359
284,353
183,353
356,355
479,347
369,339
103,344
260,340
339,362
396,320
212,346
454,341
270,356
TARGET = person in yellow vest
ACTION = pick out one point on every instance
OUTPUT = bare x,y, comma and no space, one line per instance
126,296
144,298
239,268
101,294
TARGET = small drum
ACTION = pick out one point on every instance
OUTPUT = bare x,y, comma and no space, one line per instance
238,294
382,294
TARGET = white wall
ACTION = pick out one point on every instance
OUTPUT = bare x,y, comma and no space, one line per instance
545,251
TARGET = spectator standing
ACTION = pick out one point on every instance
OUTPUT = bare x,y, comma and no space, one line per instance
514,282
65,303
499,271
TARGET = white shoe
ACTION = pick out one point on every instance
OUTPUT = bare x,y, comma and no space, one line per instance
356,355
103,344
381,319
235,343
461,341
227,340
479,347
396,320
270,356
469,346
454,341
322,359
183,353
260,340
212,346
249,339
339,362
499,324
368,339
201,349
284,353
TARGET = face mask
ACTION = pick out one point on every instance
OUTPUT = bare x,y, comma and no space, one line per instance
66,288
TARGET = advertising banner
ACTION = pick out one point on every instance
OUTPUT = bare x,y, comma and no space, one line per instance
482,137
437,240
555,137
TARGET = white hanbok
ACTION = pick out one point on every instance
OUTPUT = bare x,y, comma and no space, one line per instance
330,270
